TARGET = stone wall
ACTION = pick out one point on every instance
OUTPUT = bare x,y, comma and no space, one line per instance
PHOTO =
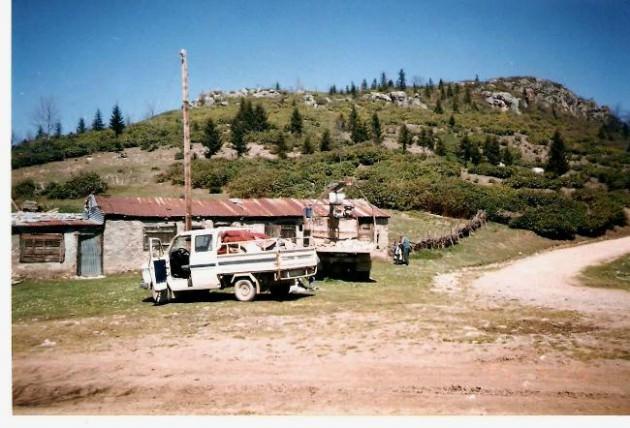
67,268
123,246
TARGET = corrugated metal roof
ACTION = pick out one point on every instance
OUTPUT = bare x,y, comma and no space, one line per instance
47,219
261,207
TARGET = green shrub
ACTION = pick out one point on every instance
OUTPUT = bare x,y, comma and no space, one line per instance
77,186
556,221
491,170
25,189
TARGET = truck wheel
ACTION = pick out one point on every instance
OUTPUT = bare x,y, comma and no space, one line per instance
244,290
280,290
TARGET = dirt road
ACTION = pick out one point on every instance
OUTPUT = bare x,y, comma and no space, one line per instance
549,279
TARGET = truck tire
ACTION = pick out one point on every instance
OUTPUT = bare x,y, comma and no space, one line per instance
244,290
281,290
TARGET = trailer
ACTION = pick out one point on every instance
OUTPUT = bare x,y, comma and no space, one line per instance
220,258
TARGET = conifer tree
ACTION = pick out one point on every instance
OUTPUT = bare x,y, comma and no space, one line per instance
358,133
492,150
404,137
307,146
377,133
259,116
507,156
81,126
325,145
97,123
465,148
374,85
332,90
557,162
40,132
438,107
476,79
430,84
451,121
353,89
364,85
390,84
401,83
281,146
475,154
116,122
277,86
383,84
211,139
237,137
440,148
296,124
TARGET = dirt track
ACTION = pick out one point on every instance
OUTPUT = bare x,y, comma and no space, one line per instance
414,359
549,279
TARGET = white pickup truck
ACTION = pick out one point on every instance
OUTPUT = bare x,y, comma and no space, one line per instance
210,259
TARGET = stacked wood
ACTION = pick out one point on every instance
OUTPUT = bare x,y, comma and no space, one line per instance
452,238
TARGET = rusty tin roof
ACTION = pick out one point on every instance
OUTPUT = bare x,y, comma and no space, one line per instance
48,219
261,207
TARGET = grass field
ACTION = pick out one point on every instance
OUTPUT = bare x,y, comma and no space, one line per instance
615,274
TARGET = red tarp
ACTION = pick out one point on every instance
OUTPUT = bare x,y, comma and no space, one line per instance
241,235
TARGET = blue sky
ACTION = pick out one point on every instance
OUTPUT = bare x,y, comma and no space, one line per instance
92,54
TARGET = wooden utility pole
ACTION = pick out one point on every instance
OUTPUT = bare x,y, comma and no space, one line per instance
187,185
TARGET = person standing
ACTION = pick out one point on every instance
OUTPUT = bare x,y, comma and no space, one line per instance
406,249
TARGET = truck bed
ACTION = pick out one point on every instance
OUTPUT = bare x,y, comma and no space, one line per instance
268,261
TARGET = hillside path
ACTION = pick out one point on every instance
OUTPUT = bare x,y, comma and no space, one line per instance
550,278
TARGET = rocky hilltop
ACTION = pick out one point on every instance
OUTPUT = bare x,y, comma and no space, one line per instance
513,94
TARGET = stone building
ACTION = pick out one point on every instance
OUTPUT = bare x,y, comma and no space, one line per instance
55,243
119,229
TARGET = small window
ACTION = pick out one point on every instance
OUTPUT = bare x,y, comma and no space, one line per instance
203,243
42,248
164,232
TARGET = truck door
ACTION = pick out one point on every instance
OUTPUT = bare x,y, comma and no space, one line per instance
203,262
157,264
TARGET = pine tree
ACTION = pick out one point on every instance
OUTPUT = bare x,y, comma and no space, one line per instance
58,130
281,146
390,84
440,148
325,145
40,132
465,148
377,133
353,89
332,90
401,83
451,121
211,139
97,123
476,79
116,122
383,84
404,137
358,133
374,85
237,138
557,162
307,146
475,154
81,126
260,122
492,150
507,156
438,107
295,126
277,86
364,85
430,84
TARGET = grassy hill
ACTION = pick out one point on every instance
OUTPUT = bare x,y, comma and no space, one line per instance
521,114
